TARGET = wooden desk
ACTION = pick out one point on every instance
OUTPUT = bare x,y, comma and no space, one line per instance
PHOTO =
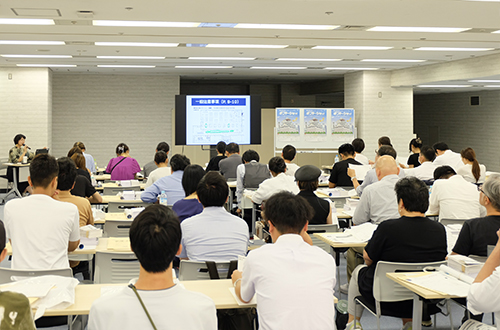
418,293
113,185
337,245
102,177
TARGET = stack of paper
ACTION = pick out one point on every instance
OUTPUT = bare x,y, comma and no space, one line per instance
128,195
90,231
356,234
443,282
88,243
98,214
360,170
465,265
333,192
133,212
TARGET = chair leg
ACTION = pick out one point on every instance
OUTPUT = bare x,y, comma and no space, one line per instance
449,313
435,318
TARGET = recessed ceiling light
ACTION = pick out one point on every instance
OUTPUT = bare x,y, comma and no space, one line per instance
48,65
443,86
244,46
486,81
203,67
144,23
37,56
137,44
27,21
286,26
492,86
350,69
417,29
222,58
126,66
454,49
389,61
29,42
353,47
131,57
279,67
309,59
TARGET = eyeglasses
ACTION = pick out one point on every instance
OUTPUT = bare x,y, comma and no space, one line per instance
481,190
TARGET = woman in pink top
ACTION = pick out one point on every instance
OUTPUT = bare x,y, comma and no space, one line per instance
123,167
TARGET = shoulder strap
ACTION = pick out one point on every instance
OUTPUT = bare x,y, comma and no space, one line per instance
142,304
121,160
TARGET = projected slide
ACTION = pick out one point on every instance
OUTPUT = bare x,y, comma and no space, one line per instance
210,119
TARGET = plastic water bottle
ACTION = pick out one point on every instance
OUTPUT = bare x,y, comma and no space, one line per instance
93,180
163,198
337,159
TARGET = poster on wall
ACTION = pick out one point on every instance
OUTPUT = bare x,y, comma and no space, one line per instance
315,124
342,124
288,124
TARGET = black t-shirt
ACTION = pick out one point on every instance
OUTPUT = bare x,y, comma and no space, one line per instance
213,165
83,187
476,235
339,173
83,172
407,239
413,160
320,206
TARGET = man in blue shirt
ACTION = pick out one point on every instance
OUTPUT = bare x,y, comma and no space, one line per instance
172,184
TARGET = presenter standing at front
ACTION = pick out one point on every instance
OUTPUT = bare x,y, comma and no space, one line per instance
20,150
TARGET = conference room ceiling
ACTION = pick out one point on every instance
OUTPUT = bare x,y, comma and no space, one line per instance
220,22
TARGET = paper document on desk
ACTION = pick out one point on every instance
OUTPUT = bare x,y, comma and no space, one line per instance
88,243
241,303
360,170
447,281
333,192
356,234
349,212
119,244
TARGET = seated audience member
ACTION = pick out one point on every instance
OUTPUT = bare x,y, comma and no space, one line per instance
471,171
307,180
483,294
172,184
302,297
444,156
288,154
384,141
339,177
426,169
123,167
83,185
227,166
16,155
81,168
213,164
411,238
14,306
279,181
452,197
155,237
250,174
161,160
41,229
151,166
214,234
413,160
89,160
189,206
371,175
359,146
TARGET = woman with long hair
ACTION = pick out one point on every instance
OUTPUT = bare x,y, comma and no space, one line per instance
472,171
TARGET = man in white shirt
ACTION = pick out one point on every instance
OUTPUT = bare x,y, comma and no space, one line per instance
279,182
155,237
444,156
294,282
161,161
288,154
452,197
214,234
41,229
425,171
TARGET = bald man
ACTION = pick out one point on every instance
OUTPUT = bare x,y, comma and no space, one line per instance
378,203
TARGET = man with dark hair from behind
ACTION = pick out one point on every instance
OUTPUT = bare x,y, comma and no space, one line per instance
41,229
14,307
427,167
359,146
384,141
161,161
290,268
151,166
288,154
444,156
172,184
339,177
278,182
155,237
213,164
228,166
214,234
249,175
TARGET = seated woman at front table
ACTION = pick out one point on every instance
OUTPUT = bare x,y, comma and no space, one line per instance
472,171
307,180
17,152
189,206
123,167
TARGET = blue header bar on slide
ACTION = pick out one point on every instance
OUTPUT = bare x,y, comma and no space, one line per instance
218,101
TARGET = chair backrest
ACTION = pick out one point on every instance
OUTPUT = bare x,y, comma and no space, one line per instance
7,274
447,222
117,228
108,191
385,289
115,267
312,229
120,206
190,270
